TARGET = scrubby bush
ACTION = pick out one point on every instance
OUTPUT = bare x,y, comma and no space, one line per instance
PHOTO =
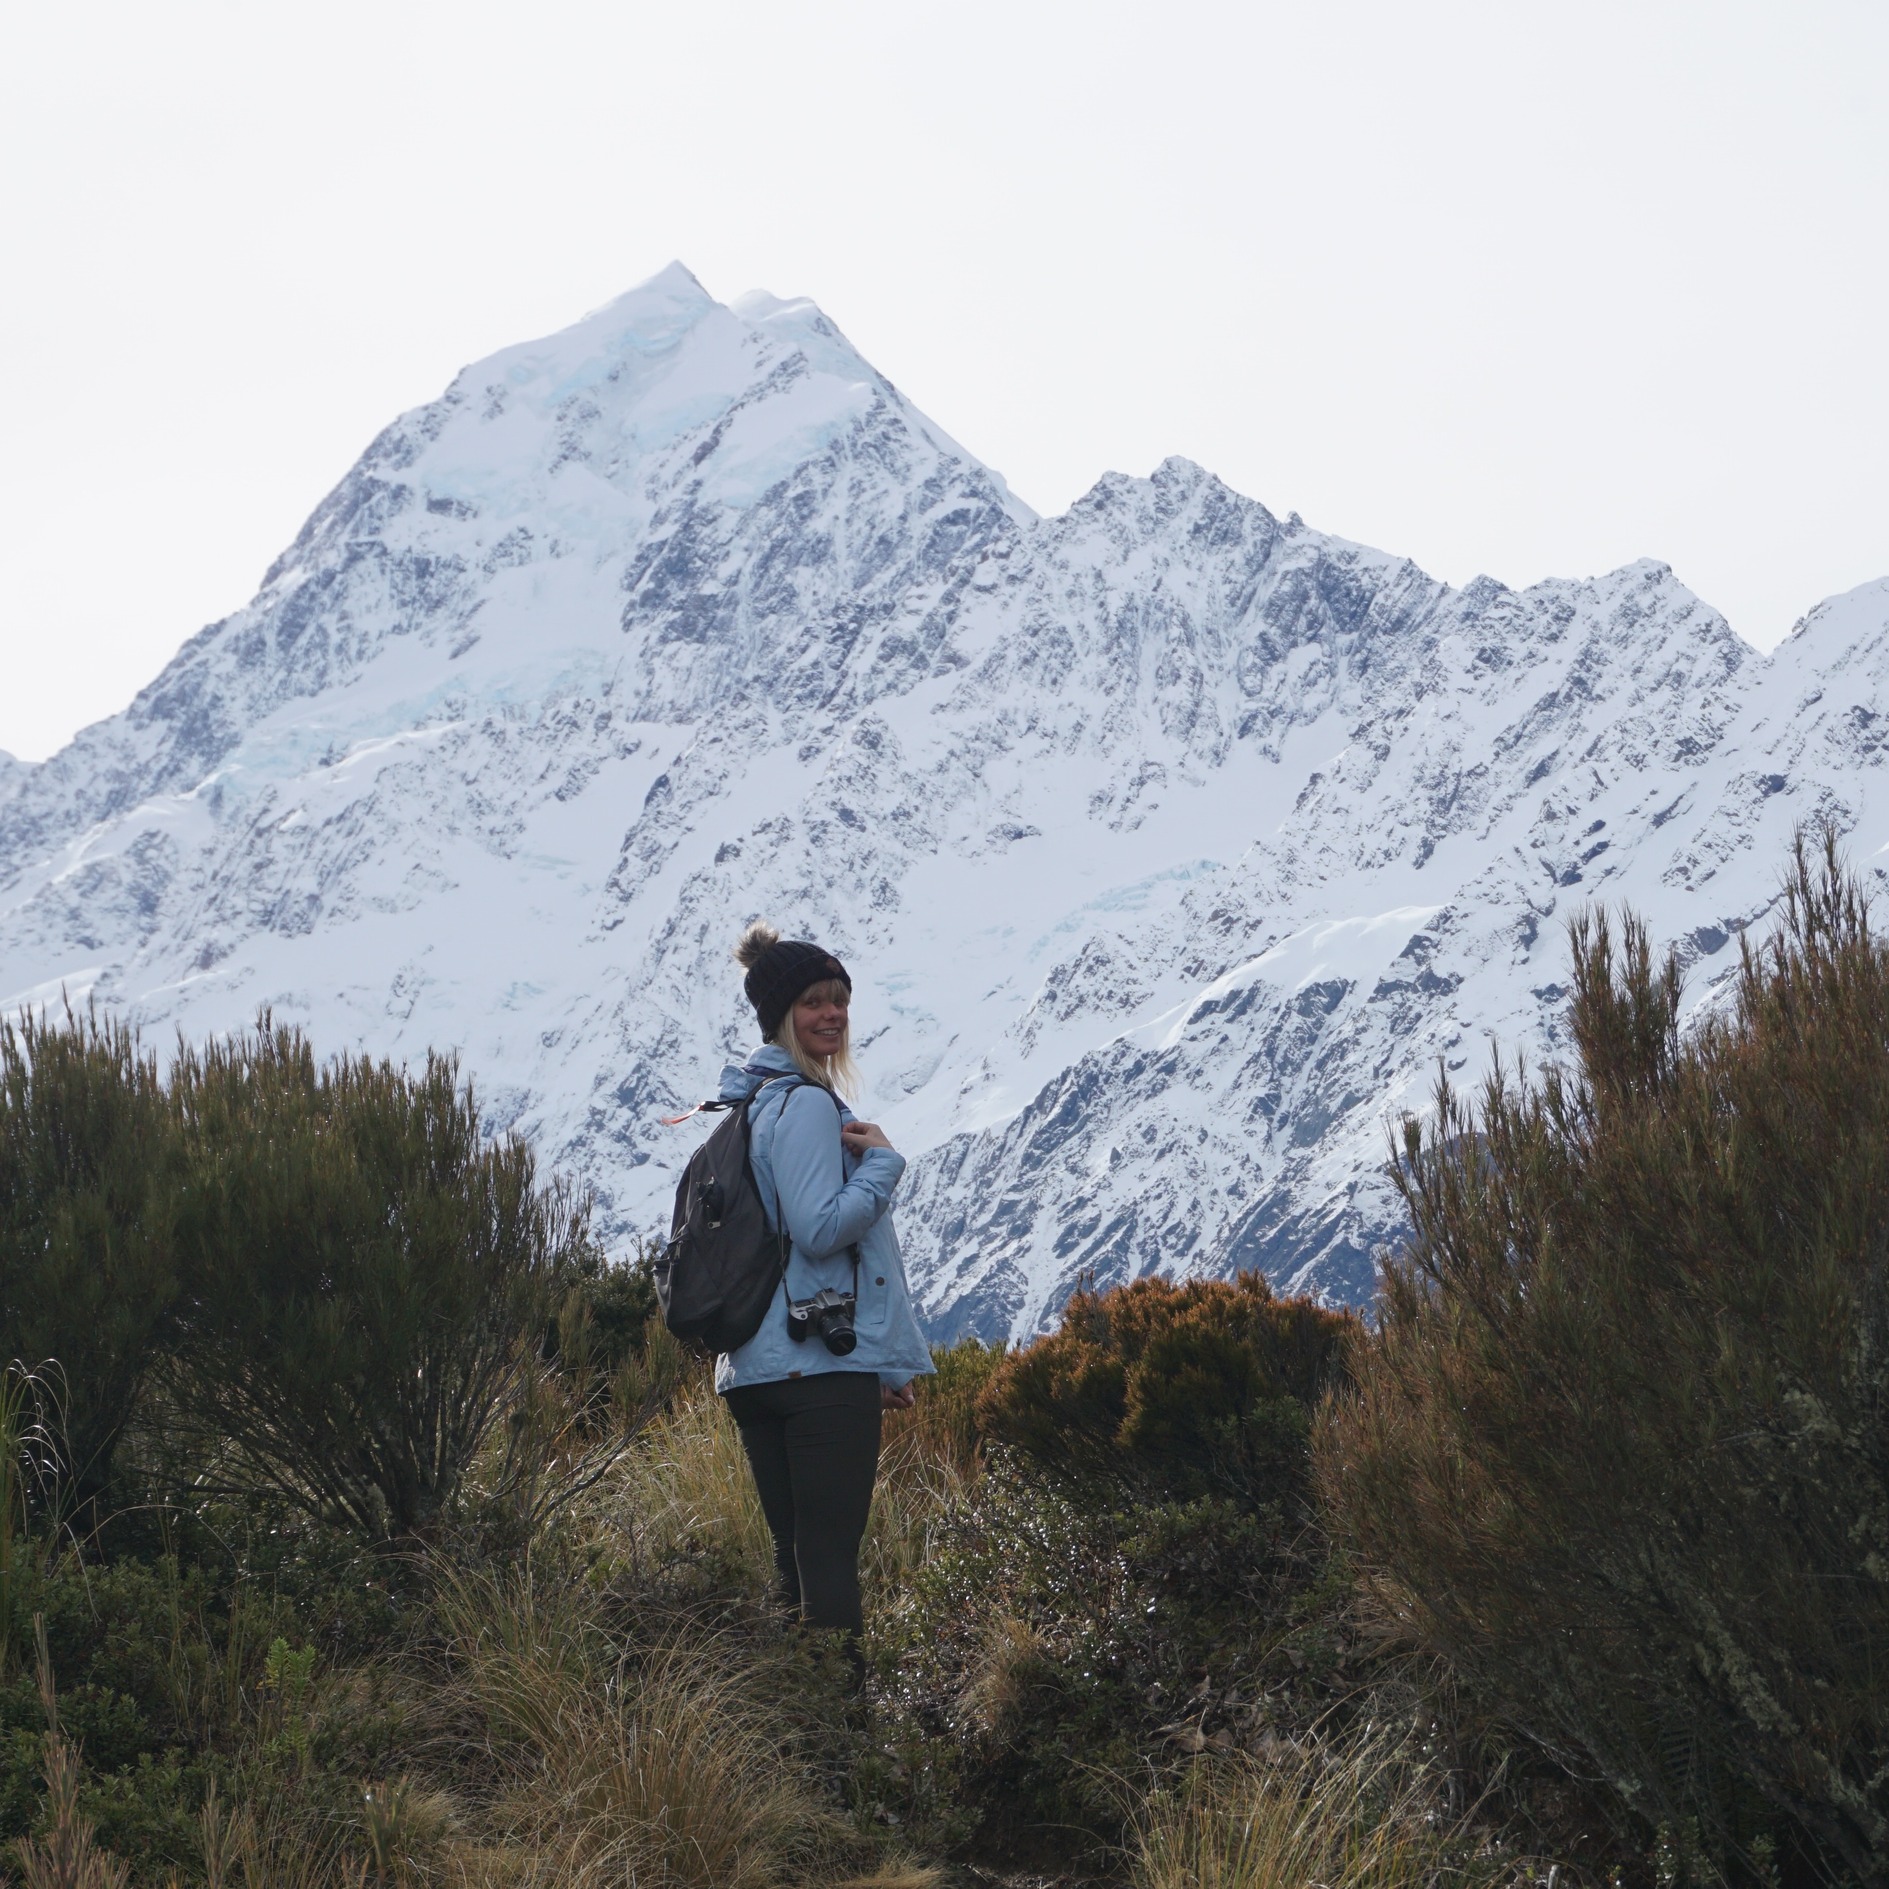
1088,1564
1045,1649
228,1667
381,1326
604,1312
1120,1583
365,1277
1618,1448
1187,1390
87,1270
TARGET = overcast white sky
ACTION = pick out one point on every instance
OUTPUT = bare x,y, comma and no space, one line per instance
1509,287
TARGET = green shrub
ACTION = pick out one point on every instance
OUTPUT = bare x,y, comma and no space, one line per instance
168,1680
1127,1578
1045,1649
87,1270
18,1543
1185,1390
604,1313
1618,1447
365,1277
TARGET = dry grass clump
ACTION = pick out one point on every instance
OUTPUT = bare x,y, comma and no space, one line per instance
587,1739
669,1763
662,1767
268,1844
930,1459
684,1493
1011,1663
1369,1812
68,1855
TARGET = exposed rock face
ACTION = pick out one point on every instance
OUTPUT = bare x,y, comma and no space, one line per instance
1173,845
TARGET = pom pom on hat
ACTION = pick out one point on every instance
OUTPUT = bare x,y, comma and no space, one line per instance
755,943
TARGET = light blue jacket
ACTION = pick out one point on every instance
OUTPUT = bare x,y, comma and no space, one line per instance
832,1200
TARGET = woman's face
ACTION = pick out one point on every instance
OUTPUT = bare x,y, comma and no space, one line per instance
820,1019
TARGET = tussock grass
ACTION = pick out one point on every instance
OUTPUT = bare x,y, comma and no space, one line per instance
671,1762
685,1493
266,1845
1369,1812
891,1876
661,1767
930,1459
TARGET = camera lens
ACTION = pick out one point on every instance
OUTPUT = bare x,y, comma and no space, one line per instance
840,1339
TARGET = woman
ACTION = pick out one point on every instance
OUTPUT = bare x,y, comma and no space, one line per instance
808,1389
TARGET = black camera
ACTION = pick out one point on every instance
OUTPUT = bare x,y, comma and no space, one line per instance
828,1314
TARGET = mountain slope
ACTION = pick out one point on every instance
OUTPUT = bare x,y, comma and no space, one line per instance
1173,845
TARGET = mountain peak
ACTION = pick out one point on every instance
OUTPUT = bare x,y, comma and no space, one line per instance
1852,616
674,288
1173,845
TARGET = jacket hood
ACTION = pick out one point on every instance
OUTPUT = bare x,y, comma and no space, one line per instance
740,1080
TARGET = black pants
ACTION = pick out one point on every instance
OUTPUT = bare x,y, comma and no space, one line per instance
813,1444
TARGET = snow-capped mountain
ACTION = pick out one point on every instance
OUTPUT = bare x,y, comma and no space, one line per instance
1172,845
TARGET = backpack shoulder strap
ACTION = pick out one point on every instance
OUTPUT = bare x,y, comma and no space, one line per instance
794,1082
786,1084
791,1083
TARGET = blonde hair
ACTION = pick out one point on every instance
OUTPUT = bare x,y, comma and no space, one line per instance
837,1072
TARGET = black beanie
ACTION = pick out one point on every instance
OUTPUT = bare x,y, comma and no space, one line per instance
782,972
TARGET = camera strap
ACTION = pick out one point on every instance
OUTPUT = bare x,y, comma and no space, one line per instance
794,1304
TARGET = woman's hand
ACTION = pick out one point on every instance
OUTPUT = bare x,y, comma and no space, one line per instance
901,1399
857,1137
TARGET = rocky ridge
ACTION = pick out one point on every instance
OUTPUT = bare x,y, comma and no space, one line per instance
1175,845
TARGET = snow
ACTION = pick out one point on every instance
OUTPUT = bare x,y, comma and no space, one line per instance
1172,847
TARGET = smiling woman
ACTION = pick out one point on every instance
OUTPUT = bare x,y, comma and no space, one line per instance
816,1033
840,1342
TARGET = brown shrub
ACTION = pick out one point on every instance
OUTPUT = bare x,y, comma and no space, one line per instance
1617,1449
1196,1389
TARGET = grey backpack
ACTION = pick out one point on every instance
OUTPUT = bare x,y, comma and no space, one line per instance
716,1277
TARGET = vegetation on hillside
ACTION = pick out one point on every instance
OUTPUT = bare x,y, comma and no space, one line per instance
359,1524
1618,1452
